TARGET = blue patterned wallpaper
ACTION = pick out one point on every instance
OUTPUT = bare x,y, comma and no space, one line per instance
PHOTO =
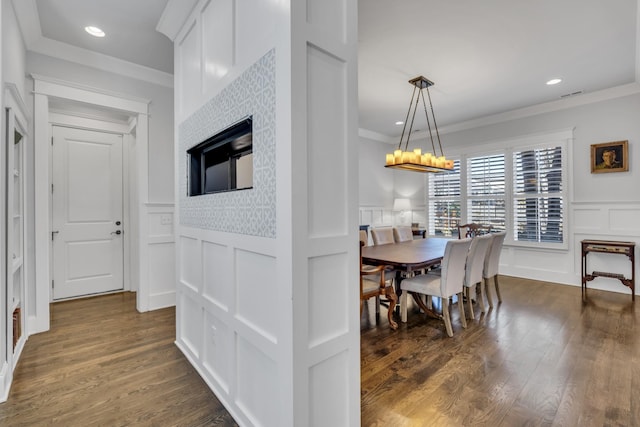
252,211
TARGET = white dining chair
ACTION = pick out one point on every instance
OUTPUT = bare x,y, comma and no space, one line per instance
382,235
492,265
402,233
474,268
444,285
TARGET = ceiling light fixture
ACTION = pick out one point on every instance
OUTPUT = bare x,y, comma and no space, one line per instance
94,31
414,160
399,122
553,82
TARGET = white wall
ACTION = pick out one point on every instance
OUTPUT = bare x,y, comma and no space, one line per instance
379,186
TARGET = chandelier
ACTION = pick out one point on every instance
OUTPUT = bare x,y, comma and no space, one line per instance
415,160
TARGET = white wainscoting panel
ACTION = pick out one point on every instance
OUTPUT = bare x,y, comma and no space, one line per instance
625,221
190,262
378,216
257,383
326,82
327,374
216,357
217,275
190,330
256,300
158,245
227,319
328,310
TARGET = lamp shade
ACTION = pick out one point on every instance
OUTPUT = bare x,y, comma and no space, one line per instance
402,205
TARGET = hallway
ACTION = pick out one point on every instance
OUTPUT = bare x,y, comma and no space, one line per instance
103,363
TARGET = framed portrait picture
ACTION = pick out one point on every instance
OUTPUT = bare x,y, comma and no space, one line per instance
610,157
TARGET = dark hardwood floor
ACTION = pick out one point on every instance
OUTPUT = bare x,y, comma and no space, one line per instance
104,364
541,358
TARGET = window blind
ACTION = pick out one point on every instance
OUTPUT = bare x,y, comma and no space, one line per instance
444,202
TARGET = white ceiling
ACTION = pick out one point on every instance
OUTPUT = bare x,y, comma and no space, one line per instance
130,27
485,57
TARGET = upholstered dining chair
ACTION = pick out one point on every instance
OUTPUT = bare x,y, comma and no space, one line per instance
402,233
474,268
373,284
444,285
364,237
472,230
382,235
492,265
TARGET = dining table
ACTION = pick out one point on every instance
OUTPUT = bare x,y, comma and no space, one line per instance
407,257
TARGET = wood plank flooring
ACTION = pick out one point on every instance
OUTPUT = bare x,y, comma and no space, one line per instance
541,358
104,364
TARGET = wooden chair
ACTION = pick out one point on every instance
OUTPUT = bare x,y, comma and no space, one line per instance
402,233
373,284
444,285
492,264
474,268
472,230
382,235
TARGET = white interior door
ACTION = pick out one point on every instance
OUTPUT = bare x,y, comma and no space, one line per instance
87,213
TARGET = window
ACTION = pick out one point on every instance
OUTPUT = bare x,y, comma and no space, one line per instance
521,189
223,162
444,205
537,195
486,191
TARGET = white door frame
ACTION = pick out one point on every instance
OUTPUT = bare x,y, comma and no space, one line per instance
138,110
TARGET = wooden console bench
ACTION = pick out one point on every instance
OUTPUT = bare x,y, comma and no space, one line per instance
610,247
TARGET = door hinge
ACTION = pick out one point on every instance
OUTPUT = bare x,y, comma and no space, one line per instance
51,188
53,284
51,140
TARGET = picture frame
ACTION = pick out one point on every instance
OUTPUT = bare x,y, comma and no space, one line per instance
610,157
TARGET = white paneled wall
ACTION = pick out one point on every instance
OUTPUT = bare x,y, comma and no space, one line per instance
378,216
267,317
227,319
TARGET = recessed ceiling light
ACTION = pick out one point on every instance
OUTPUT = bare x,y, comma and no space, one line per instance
553,82
94,31
399,123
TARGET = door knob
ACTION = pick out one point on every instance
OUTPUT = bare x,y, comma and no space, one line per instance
116,232
118,223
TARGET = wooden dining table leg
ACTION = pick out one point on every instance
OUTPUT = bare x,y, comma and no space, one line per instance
393,299
428,311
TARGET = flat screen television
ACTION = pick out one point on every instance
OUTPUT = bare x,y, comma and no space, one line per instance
224,162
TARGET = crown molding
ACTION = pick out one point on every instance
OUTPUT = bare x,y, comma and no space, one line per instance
547,107
174,16
369,134
102,62
520,113
29,23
